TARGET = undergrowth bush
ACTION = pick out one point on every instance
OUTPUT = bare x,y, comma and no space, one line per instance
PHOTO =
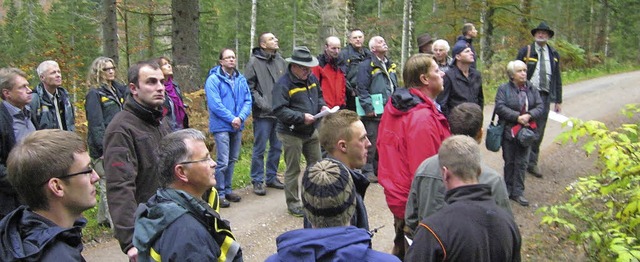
602,214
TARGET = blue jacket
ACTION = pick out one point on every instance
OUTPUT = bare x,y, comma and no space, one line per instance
327,244
227,98
27,236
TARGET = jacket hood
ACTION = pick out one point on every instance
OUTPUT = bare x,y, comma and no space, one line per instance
404,100
461,37
217,70
24,235
338,243
261,54
153,217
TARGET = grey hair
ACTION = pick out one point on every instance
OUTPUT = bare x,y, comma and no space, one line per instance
8,78
511,67
372,41
44,65
461,155
443,43
173,150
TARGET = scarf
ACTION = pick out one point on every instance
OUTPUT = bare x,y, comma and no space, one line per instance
178,106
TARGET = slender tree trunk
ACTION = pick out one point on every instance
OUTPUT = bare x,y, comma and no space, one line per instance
254,14
487,36
126,35
406,29
186,51
110,30
150,35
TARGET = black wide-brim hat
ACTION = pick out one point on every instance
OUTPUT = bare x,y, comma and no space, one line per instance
302,56
543,26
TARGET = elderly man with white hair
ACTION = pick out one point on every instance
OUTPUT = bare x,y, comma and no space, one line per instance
441,54
377,80
51,106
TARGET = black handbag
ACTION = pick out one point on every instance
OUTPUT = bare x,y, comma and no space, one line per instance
527,136
493,140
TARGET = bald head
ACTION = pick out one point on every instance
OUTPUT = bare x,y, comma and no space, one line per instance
332,46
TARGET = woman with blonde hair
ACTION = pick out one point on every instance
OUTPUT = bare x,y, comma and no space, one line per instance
104,99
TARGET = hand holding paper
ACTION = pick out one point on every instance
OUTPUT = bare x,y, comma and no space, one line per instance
326,112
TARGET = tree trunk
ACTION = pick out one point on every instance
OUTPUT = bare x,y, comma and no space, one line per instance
254,14
406,29
110,30
186,51
126,35
487,35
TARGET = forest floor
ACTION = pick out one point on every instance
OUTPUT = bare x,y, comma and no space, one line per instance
257,220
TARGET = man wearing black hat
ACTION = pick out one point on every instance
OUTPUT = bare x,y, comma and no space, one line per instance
543,70
462,82
297,97
425,44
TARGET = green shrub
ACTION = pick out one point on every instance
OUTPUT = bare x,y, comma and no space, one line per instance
602,213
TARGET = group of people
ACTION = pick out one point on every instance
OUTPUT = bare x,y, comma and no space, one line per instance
164,190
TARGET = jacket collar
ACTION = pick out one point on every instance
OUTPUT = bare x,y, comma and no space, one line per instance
151,116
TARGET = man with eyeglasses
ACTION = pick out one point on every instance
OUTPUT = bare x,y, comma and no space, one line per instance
51,170
15,124
51,105
176,223
130,149
229,103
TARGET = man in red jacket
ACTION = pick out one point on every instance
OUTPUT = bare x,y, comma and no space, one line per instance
411,130
331,73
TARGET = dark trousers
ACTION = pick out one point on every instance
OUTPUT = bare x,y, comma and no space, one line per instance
371,167
542,124
515,165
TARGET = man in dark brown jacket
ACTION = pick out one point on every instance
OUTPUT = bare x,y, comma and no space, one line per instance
129,149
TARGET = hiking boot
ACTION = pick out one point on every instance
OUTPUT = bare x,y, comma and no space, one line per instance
535,171
276,184
233,197
258,189
296,212
224,203
520,200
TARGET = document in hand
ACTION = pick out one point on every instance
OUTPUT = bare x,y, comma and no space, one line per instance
376,101
326,112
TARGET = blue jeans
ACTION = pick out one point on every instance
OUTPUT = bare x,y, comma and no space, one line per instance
264,129
227,151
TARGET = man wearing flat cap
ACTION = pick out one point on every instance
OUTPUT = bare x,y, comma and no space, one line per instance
543,70
297,97
425,44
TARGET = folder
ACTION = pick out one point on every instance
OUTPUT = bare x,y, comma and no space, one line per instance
376,101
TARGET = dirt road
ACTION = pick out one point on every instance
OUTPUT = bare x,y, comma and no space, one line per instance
257,221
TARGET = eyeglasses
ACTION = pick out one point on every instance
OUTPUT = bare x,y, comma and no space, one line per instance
88,171
108,68
208,158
